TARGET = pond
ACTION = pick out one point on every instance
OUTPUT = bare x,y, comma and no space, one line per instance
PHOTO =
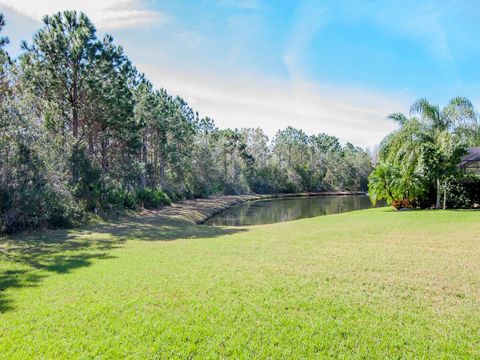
285,209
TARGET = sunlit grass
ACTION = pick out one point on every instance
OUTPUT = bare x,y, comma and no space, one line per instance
372,283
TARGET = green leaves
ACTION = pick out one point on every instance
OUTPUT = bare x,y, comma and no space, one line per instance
103,136
430,114
428,149
398,117
410,183
3,40
382,183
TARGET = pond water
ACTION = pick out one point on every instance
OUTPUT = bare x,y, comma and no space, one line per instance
285,209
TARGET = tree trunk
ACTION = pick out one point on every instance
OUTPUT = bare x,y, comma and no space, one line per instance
91,148
155,168
162,174
439,195
104,154
225,164
74,101
75,122
145,161
445,196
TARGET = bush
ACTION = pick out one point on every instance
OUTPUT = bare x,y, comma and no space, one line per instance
231,189
152,199
130,200
265,180
85,179
63,210
290,188
118,199
26,209
463,193
402,204
201,191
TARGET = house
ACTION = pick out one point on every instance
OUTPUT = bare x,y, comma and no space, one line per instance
470,163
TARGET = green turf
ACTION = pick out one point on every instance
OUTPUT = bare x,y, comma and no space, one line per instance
367,284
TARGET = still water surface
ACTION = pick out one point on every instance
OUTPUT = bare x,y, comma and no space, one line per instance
286,209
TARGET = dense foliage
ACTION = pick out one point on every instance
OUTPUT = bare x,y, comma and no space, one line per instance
463,192
82,132
418,159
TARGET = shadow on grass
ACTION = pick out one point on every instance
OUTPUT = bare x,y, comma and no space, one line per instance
157,228
15,279
26,259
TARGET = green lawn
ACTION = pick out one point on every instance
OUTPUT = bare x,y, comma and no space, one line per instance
374,283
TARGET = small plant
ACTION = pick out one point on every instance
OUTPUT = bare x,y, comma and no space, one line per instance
152,199
402,204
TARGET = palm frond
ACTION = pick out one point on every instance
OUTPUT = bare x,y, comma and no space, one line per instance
460,113
428,112
398,117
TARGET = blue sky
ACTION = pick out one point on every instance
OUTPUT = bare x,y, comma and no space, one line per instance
324,66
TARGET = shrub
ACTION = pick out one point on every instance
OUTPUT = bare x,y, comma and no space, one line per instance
290,188
463,193
265,180
85,179
130,200
402,204
62,210
118,199
231,189
25,209
152,199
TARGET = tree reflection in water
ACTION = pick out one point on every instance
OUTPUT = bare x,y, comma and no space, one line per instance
286,209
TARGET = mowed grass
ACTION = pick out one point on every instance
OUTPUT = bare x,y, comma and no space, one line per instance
366,284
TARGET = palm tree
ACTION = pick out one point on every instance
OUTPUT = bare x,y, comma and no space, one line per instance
410,183
442,127
403,146
428,145
382,183
457,114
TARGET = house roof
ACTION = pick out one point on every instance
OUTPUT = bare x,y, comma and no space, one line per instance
472,156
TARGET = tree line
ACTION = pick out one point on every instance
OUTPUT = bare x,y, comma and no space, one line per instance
82,131
419,162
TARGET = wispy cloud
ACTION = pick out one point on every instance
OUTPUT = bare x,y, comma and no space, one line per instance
248,100
426,24
420,21
208,47
190,39
423,21
106,14
308,19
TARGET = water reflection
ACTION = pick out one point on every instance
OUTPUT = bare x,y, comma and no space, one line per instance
279,210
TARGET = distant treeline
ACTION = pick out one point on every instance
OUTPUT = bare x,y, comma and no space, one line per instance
82,132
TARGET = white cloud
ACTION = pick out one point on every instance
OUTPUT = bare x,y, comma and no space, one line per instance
353,115
105,14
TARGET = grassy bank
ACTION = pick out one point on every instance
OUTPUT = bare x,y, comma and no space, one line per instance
373,283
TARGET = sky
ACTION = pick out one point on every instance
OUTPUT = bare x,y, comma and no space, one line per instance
338,67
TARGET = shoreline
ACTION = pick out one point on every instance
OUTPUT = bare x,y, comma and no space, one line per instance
195,211
198,211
